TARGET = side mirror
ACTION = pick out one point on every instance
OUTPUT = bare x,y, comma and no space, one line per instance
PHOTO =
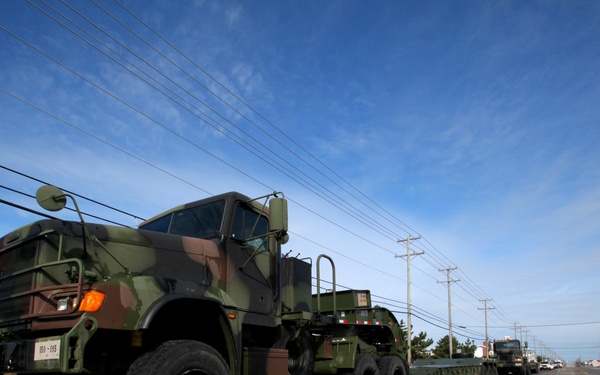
278,217
51,198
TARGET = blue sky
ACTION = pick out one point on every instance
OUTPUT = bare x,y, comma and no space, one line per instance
472,124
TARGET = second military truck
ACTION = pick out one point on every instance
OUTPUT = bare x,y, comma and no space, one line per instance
511,358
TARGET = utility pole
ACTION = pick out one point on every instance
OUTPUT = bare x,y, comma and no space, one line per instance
542,350
520,333
525,345
408,313
526,338
448,281
487,338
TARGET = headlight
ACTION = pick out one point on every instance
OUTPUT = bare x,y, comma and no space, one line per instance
63,304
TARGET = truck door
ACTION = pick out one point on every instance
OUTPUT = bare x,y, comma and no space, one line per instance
254,254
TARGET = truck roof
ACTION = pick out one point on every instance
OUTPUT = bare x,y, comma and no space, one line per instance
229,197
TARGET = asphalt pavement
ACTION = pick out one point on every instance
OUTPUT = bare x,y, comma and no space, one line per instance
574,371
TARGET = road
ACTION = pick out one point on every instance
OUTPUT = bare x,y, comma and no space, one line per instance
574,371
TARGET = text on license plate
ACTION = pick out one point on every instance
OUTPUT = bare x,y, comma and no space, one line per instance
46,350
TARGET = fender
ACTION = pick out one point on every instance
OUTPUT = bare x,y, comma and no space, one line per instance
200,312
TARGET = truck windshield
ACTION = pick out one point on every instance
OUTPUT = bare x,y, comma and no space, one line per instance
200,221
508,344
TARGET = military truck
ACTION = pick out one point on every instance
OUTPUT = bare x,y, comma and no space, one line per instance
511,358
200,289
534,365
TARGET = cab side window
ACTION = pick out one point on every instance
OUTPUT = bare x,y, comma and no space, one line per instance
251,227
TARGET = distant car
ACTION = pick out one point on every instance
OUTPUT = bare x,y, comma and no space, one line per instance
558,364
545,365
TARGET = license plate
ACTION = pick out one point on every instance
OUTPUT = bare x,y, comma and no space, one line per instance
47,350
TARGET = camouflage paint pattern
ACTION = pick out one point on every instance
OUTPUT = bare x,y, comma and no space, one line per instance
138,270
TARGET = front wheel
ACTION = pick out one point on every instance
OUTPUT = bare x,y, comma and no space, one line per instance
180,357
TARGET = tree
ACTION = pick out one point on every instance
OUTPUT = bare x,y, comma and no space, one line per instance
419,344
404,331
442,348
468,346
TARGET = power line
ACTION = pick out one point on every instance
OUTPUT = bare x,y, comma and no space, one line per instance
68,191
347,208
49,216
26,209
434,256
170,44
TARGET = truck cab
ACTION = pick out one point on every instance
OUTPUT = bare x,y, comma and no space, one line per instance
79,297
511,358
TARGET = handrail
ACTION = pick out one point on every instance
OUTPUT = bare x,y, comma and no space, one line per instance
319,283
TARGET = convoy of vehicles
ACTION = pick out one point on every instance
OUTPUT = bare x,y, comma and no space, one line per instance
200,289
551,365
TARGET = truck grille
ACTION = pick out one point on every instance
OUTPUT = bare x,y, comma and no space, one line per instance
33,276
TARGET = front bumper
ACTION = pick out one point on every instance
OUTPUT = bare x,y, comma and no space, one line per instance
62,354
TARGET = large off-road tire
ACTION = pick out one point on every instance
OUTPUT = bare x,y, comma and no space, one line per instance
365,365
301,358
181,357
391,365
